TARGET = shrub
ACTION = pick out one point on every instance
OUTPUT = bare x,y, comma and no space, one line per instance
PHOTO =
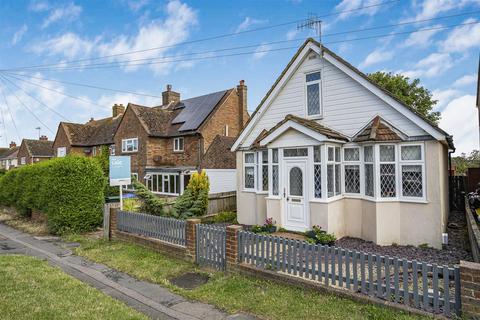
70,191
194,200
319,236
150,203
267,227
226,217
103,159
131,205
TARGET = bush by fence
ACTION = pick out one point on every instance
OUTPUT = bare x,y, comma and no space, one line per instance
70,191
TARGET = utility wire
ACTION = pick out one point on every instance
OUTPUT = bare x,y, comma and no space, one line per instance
11,115
269,50
24,105
207,38
36,99
4,126
59,92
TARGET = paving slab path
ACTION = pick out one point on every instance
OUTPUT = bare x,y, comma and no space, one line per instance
153,300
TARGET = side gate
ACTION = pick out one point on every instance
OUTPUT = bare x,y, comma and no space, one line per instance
211,246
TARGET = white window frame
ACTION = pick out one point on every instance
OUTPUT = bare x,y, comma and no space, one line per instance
23,160
176,144
335,163
378,164
320,95
363,174
320,163
260,166
272,164
64,152
420,162
94,151
130,187
111,150
127,142
163,177
249,165
357,163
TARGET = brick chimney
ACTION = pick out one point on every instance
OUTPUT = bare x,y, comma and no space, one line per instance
170,96
12,145
242,103
117,110
43,138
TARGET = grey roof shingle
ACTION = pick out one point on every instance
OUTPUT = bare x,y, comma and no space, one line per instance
39,148
92,133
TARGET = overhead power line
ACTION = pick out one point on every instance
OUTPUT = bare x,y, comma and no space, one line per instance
265,50
4,79
208,38
37,100
11,115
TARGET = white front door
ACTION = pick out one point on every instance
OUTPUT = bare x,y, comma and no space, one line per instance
295,194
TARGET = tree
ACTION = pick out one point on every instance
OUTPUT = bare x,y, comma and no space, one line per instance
409,92
194,200
463,162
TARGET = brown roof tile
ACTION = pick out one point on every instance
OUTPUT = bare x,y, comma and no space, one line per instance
377,130
39,148
92,133
218,154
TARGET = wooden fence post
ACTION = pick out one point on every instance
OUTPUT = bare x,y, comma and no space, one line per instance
191,238
470,292
232,245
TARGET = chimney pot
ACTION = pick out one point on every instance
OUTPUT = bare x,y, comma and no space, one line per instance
13,144
170,96
43,138
117,109
242,82
169,87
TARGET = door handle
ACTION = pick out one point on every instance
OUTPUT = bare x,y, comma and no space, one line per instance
284,194
288,199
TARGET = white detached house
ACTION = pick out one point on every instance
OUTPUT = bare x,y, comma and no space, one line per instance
328,147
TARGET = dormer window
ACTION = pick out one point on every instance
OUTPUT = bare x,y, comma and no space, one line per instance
178,144
313,93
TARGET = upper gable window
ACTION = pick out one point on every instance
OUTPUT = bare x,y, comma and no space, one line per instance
313,93
130,145
178,144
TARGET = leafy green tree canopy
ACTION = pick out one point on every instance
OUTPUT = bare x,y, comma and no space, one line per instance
409,92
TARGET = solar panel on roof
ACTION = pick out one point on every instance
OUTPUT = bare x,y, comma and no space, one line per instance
197,109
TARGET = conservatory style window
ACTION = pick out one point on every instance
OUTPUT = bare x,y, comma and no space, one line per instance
275,173
351,157
333,171
388,186
249,170
368,159
317,171
411,171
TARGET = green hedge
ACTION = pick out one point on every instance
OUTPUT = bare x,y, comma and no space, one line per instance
70,191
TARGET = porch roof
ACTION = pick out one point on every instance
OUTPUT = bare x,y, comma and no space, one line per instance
311,125
377,130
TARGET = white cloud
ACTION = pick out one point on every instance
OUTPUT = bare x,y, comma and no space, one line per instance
465,80
421,39
260,52
459,120
376,56
69,12
136,5
38,6
17,36
462,38
347,5
431,8
179,20
431,66
444,97
247,23
292,34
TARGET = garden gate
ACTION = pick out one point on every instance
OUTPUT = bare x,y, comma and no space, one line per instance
211,246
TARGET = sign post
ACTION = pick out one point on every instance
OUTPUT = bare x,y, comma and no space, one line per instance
120,173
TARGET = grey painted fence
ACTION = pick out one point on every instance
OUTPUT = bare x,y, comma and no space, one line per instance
211,246
421,285
162,228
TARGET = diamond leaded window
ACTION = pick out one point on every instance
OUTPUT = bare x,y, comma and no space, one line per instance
411,170
333,171
351,157
264,171
368,157
275,173
388,185
249,170
317,171
313,93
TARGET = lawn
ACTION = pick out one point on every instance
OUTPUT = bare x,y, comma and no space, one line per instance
231,292
32,289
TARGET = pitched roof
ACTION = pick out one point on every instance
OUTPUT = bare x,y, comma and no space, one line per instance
184,117
329,133
3,151
218,154
10,153
39,148
377,130
355,70
92,133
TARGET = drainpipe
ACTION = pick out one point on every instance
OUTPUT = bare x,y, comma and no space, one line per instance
450,151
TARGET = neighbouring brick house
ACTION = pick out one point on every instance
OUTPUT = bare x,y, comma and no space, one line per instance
33,151
8,156
87,139
169,142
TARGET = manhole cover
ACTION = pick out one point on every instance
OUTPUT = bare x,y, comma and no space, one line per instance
190,280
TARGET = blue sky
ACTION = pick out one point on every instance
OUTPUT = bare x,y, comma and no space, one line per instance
48,32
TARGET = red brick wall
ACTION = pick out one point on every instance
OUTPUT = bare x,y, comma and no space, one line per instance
22,152
61,140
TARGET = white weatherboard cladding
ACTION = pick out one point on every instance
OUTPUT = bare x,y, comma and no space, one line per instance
222,180
292,138
347,105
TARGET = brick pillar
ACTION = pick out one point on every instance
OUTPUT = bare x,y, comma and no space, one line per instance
191,238
470,286
232,244
113,222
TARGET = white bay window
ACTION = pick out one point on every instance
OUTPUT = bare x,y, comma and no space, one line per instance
411,170
369,179
351,158
249,171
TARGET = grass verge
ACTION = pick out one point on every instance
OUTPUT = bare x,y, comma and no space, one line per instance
231,292
32,289
23,224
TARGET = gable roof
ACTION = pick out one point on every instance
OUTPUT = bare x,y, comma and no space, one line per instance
310,124
11,153
181,118
3,151
218,154
353,72
377,130
92,133
38,148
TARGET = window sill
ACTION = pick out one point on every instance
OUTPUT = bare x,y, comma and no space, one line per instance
249,190
315,117
273,198
178,151
130,151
